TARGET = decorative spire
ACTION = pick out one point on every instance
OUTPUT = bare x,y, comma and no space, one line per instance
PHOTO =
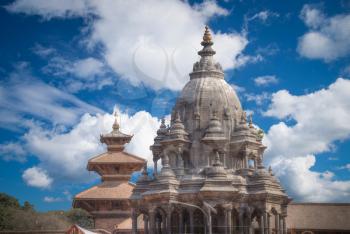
207,37
207,43
115,124
270,170
251,120
115,140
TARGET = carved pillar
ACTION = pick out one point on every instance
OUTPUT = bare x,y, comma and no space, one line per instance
190,211
277,222
266,222
210,229
155,166
228,218
163,224
281,225
181,222
152,221
262,223
284,225
241,222
168,221
134,222
249,226
145,223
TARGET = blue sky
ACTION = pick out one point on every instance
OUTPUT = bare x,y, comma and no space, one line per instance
66,65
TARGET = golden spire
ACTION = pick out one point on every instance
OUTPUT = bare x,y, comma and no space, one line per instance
207,35
115,124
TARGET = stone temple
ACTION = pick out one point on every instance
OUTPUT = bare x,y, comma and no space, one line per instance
211,179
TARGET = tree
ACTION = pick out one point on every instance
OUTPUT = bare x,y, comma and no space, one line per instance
80,217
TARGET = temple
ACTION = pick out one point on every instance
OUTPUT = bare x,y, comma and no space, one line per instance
212,178
108,202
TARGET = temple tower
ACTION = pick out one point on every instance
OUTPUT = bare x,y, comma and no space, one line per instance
212,178
108,202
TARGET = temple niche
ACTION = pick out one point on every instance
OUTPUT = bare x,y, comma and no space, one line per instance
212,179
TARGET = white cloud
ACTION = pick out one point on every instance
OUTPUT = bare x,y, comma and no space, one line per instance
24,95
37,177
327,38
259,99
265,80
51,9
303,184
13,152
155,43
49,199
237,88
263,15
88,73
346,166
65,154
42,51
321,118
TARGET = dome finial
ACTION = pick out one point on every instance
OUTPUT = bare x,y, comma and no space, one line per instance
207,36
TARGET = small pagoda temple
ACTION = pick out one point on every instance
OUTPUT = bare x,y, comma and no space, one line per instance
108,202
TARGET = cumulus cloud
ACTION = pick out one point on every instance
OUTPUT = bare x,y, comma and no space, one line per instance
155,43
56,150
37,177
321,118
327,38
265,80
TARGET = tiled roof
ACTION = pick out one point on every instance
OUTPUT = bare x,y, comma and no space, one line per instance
110,190
116,157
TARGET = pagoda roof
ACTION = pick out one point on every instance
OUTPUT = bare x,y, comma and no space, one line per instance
108,190
116,157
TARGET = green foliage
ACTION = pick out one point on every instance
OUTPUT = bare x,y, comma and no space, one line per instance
13,216
8,201
80,217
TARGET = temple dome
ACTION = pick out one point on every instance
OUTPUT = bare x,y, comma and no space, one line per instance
207,92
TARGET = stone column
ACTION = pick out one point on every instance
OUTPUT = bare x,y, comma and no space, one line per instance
268,223
277,222
134,221
281,225
181,222
210,229
262,223
190,211
284,225
241,222
152,221
250,228
163,224
145,224
155,167
168,222
228,218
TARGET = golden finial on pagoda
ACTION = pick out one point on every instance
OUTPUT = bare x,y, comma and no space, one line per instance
207,36
115,124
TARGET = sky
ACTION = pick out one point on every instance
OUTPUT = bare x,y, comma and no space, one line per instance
66,66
